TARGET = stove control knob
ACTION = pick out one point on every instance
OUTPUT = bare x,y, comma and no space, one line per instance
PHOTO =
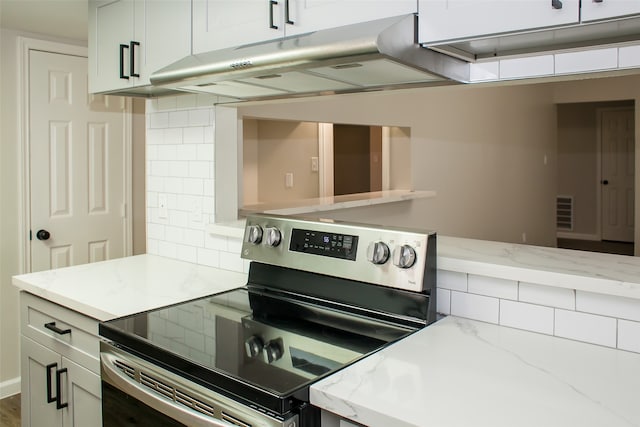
404,256
253,346
273,236
377,252
272,351
255,234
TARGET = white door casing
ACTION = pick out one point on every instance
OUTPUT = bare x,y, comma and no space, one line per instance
617,136
78,163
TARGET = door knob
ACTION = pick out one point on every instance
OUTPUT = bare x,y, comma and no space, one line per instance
43,235
605,182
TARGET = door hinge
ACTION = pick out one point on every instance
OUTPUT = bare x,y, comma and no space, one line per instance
30,235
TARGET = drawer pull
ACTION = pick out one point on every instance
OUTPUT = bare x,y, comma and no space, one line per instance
50,398
52,327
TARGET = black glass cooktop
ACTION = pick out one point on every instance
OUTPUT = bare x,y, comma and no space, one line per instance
253,344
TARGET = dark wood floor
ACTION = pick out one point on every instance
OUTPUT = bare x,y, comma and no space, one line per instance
606,246
10,411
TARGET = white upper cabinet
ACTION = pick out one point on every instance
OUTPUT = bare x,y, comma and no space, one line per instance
311,15
595,10
218,24
130,39
451,20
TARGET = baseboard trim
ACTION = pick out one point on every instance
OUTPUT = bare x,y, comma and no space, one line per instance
9,387
577,236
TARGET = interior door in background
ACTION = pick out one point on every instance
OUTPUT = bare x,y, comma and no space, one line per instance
617,133
77,153
357,159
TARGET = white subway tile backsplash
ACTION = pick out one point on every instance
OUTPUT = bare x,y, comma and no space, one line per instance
179,218
194,237
193,186
200,170
173,136
208,205
452,280
193,135
234,245
547,295
186,101
209,257
209,134
608,305
166,103
443,301
218,243
154,136
152,199
178,169
199,117
152,246
155,183
159,168
156,231
476,307
166,152
187,253
629,335
167,249
205,152
158,120
187,152
530,317
209,187
174,185
231,261
494,287
585,327
178,119
174,234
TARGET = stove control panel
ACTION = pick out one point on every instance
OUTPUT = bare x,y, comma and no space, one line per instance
394,257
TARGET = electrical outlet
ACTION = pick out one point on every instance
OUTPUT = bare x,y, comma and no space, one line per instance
314,164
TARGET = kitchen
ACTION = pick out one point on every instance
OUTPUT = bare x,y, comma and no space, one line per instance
517,112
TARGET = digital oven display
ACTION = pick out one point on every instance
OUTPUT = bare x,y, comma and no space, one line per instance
333,245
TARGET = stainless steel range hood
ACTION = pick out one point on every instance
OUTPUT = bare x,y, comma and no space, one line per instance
374,55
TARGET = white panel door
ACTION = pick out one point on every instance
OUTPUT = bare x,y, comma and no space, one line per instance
77,164
618,151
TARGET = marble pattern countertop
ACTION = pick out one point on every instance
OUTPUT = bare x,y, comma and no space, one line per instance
464,373
564,268
124,286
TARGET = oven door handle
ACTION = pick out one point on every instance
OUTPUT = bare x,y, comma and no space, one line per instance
132,388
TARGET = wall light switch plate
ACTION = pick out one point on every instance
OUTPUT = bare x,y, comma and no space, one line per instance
288,180
314,164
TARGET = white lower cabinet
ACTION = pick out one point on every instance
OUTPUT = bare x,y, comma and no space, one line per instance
60,367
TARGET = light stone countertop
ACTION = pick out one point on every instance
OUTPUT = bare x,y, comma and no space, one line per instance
124,286
461,373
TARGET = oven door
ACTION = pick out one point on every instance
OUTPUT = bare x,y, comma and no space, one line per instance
138,393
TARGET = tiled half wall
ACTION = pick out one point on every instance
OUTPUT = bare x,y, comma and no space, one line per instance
180,168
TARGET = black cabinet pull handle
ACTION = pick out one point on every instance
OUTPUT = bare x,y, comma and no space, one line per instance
556,4
271,4
287,18
52,327
122,74
49,367
59,403
132,59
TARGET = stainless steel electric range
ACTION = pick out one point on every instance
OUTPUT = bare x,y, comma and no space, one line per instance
320,295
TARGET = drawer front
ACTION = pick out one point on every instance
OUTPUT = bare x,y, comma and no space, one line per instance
64,331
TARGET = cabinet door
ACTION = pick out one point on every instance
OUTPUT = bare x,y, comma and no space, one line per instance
36,411
218,24
111,25
447,20
607,9
83,394
313,15
163,29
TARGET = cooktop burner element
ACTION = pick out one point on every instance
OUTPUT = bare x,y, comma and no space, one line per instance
320,296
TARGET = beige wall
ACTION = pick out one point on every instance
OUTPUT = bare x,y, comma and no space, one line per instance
139,208
400,158
482,149
284,146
